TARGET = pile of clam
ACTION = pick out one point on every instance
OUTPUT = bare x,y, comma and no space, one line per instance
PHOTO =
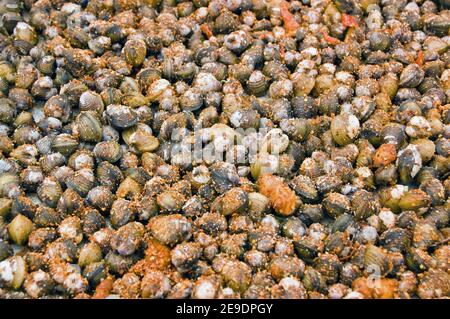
224,149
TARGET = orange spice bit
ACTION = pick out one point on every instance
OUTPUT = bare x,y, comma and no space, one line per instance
361,285
376,288
281,197
386,289
349,20
104,288
419,60
290,24
384,155
157,257
206,30
329,39
282,50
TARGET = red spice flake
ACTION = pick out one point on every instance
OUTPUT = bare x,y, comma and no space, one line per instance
419,59
349,20
290,24
329,39
206,30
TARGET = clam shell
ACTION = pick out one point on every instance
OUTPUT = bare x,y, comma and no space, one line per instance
89,126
